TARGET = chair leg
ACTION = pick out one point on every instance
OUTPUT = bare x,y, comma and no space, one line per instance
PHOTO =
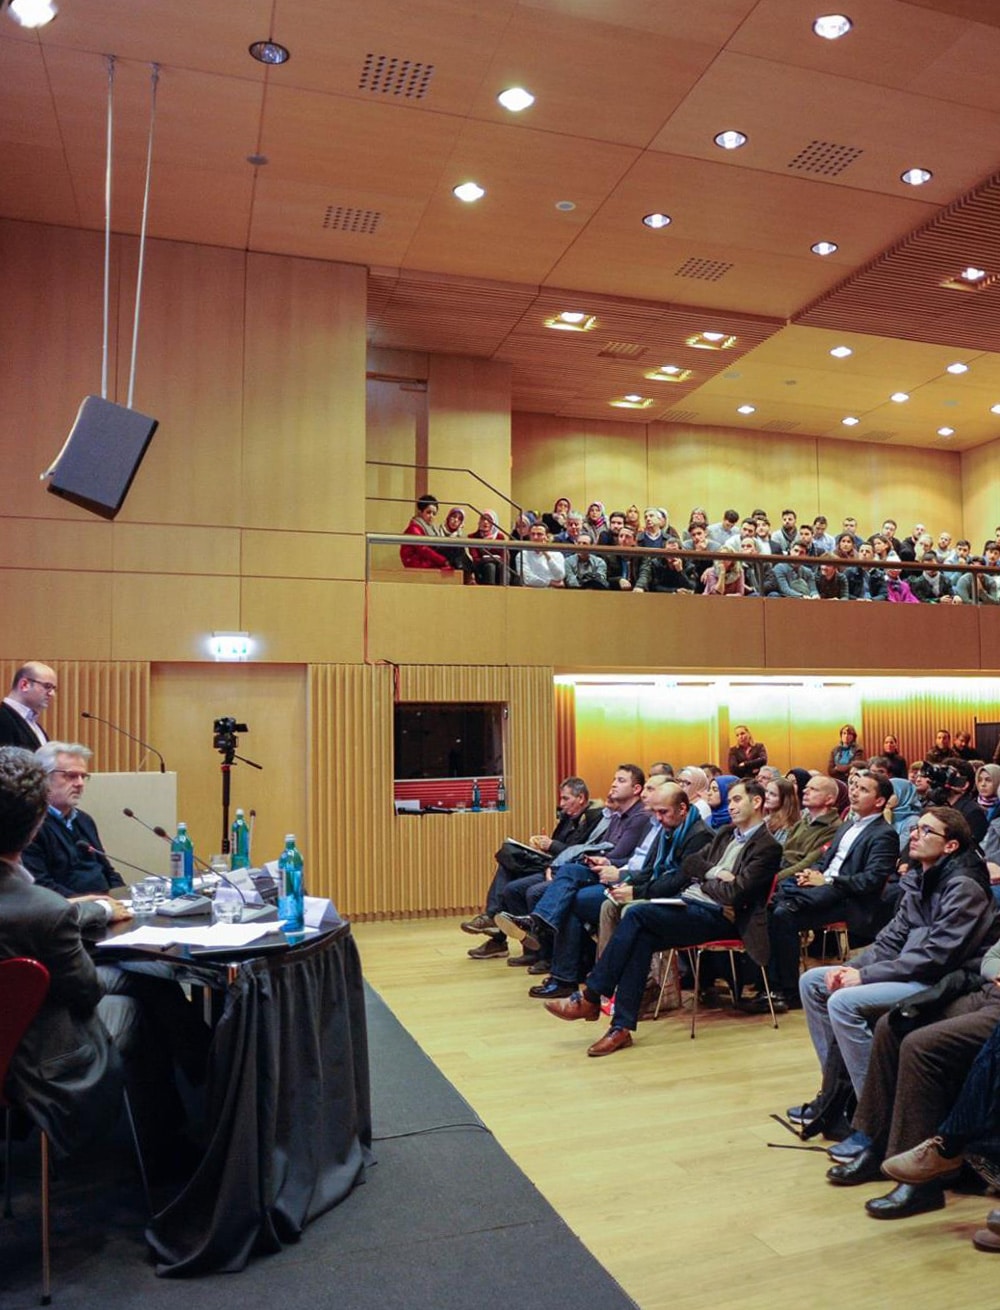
46,1270
697,985
8,1210
667,968
770,998
138,1151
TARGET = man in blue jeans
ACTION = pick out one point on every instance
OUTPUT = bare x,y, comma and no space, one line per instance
945,920
723,888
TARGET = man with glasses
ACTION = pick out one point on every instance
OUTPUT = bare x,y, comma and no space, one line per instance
946,920
56,858
30,695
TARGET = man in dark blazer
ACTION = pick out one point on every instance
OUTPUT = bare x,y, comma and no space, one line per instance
845,885
66,1072
30,695
57,857
724,887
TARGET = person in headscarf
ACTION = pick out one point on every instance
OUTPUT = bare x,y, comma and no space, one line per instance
988,787
695,783
555,520
488,564
905,811
596,518
718,798
801,777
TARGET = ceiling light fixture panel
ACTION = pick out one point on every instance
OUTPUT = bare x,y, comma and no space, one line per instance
656,220
269,52
469,192
572,320
32,13
730,139
831,27
516,99
710,341
824,248
916,176
841,352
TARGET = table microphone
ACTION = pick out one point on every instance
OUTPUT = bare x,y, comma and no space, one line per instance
157,832
85,714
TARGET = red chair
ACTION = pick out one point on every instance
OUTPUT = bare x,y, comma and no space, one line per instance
24,985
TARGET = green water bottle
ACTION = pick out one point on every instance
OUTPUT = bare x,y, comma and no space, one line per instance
477,795
501,795
291,889
181,863
239,844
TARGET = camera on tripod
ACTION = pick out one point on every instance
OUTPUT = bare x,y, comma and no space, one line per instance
224,738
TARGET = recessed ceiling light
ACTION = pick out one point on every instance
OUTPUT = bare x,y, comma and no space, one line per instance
995,409
269,52
972,274
916,176
656,220
515,98
746,409
710,341
824,248
831,27
850,421
900,397
668,373
565,206
32,13
631,401
841,352
469,192
258,161
730,140
572,320
946,432
957,368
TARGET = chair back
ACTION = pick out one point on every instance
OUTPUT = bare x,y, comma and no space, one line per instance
24,984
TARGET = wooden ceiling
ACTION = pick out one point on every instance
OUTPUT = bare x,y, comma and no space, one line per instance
386,105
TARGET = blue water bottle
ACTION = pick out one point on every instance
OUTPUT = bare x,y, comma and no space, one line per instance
291,890
181,863
477,795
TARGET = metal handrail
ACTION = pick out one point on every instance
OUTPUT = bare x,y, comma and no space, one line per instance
441,468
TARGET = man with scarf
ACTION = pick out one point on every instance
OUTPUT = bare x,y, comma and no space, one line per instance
681,832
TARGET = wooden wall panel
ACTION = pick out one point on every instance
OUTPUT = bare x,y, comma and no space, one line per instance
914,709
303,619
67,615
171,617
115,691
304,421
186,699
565,710
376,864
678,467
468,427
396,427
980,478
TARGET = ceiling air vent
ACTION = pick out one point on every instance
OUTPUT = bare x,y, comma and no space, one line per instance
878,435
705,270
782,425
680,416
824,158
621,350
341,218
390,75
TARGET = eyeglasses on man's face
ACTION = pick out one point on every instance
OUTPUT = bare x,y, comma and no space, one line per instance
73,775
926,830
50,687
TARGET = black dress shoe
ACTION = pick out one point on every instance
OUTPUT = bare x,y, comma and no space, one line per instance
863,1168
907,1199
552,989
522,927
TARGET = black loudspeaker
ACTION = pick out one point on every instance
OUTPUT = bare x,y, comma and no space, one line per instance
101,456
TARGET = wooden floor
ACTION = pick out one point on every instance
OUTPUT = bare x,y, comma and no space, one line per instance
657,1157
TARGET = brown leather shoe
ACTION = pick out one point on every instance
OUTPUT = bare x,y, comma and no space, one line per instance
615,1039
493,948
481,923
574,1007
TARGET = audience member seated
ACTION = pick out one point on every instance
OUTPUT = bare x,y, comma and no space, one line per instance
490,565
719,533
718,798
963,747
458,556
850,524
895,763
781,542
576,819
941,749
981,588
843,755
623,570
866,583
897,589
727,577
555,520
610,534
65,854
584,571
946,919
596,520
664,571
655,531
845,884
539,567
794,579
724,885
781,807
905,812
694,780
422,525
960,789
831,582
822,539
696,519
988,790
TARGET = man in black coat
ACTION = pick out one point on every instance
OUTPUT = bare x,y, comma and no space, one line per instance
30,695
845,885
57,857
